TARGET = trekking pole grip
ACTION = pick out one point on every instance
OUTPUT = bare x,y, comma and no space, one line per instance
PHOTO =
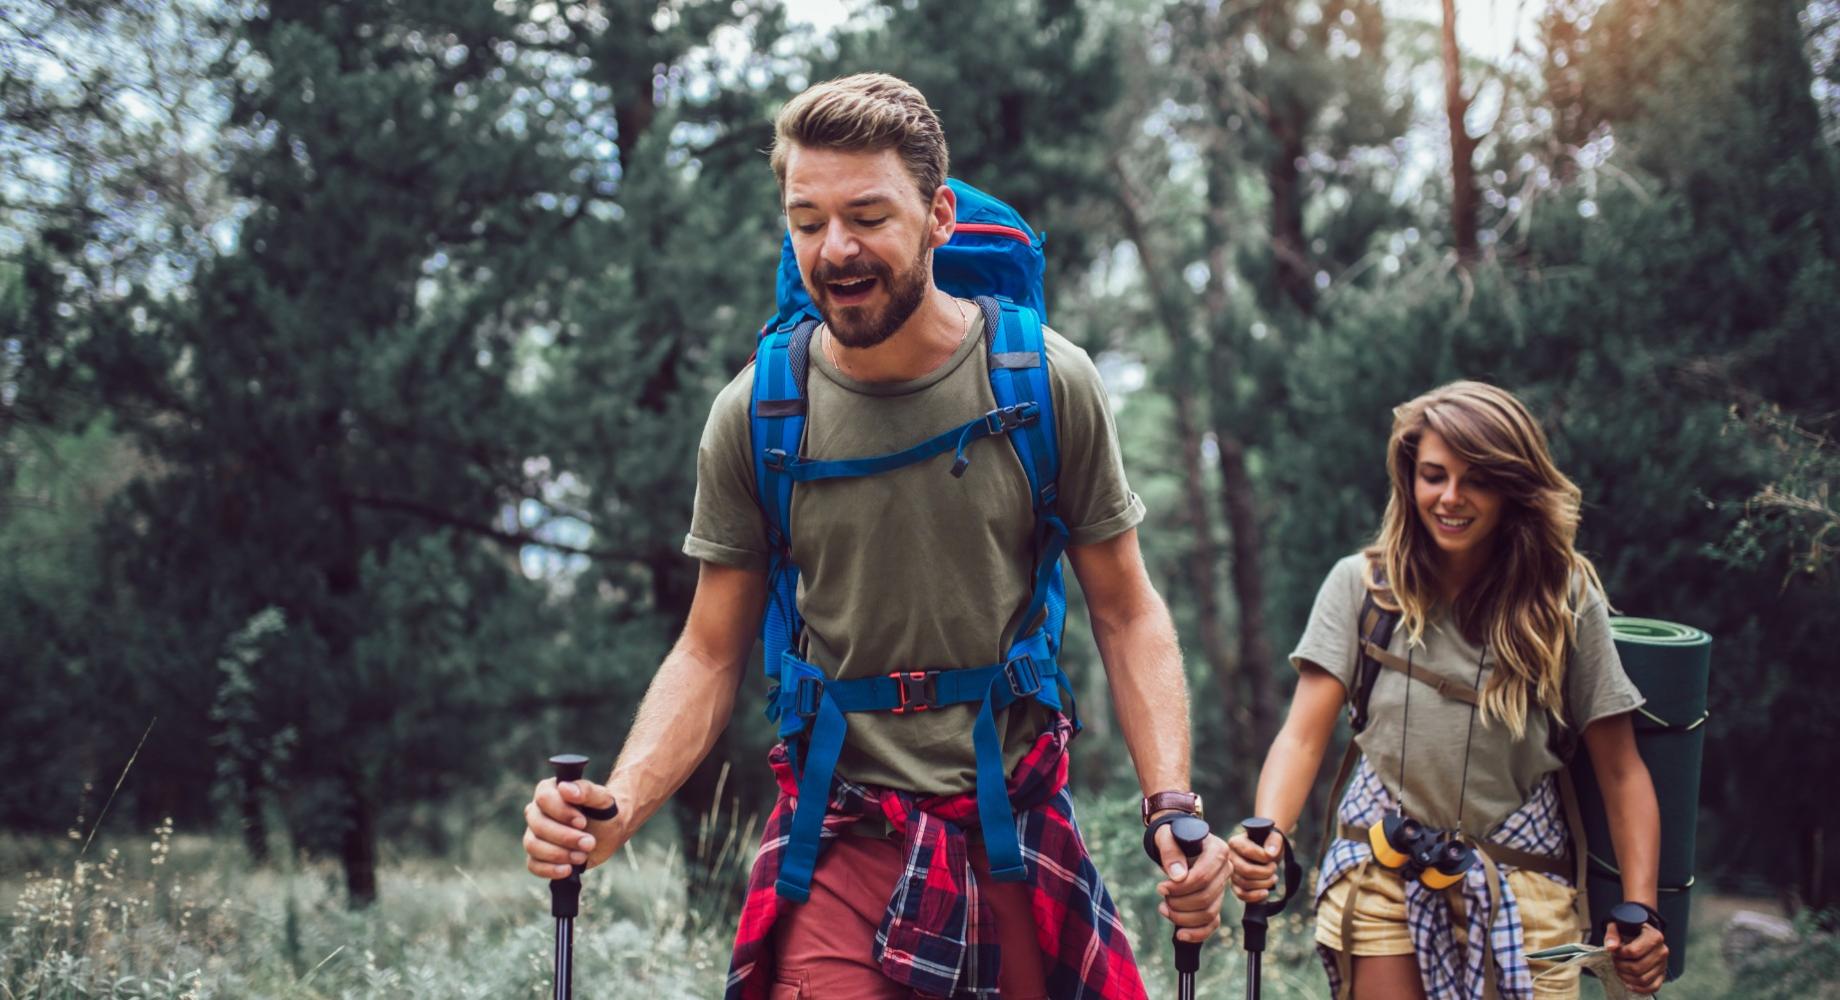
565,893
1629,919
1191,833
1253,921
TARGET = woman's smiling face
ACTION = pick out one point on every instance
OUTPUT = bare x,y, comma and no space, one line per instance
1458,505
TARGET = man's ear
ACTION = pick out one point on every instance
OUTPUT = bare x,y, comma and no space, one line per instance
944,213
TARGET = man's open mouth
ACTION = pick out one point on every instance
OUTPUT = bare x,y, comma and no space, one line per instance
850,291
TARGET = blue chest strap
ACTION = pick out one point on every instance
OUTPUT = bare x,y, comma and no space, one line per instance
812,708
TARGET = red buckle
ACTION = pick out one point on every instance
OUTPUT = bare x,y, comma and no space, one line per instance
916,689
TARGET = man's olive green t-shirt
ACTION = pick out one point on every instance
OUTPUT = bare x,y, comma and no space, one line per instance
1503,771
914,569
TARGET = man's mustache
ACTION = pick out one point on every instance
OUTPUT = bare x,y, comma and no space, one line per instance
826,273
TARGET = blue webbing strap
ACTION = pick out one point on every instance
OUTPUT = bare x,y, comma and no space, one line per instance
1003,420
993,686
776,419
801,854
1018,376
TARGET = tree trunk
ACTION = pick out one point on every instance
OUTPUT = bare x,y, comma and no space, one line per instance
254,823
1198,565
1237,417
1293,270
1462,145
1289,251
1248,591
358,845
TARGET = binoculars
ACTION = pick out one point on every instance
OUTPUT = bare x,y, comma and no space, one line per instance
1434,857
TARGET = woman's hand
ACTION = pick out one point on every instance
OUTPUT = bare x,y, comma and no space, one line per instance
1254,868
1641,963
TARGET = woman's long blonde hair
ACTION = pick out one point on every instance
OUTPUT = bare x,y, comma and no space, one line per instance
1525,606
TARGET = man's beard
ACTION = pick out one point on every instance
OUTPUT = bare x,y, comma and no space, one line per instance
865,325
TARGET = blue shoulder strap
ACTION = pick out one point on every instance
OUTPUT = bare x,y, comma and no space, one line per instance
776,421
1019,376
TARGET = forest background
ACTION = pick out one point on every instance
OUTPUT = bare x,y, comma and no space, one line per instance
353,357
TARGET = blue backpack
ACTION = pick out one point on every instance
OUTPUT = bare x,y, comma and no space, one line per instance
996,259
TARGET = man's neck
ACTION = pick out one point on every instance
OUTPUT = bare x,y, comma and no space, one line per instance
929,337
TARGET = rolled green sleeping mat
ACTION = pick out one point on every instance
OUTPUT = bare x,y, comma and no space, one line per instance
1671,665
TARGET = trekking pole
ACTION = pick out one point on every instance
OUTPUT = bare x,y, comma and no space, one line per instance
565,893
1191,833
1257,915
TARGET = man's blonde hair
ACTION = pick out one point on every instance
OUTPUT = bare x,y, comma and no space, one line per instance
868,112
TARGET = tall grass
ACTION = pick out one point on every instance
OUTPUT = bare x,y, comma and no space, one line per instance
187,918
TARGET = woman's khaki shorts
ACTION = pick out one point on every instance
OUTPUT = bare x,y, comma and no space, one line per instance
1380,922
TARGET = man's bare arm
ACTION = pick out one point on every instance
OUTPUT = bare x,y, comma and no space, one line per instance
1143,662
1143,668
685,709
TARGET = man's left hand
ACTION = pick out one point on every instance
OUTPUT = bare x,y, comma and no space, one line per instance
1192,894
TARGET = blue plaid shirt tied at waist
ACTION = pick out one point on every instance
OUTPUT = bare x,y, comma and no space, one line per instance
1449,970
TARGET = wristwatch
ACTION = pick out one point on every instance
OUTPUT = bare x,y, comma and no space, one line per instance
1187,802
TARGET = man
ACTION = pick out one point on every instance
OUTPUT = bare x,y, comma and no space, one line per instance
928,566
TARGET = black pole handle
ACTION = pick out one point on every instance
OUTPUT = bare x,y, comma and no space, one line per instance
1191,833
1257,915
565,893
1629,919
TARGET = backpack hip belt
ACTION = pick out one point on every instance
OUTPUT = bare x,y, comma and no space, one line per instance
812,706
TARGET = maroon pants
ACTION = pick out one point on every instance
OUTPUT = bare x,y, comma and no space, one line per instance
825,946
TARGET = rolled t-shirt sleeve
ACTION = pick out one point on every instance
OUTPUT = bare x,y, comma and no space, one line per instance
726,524
1596,687
1329,640
1095,498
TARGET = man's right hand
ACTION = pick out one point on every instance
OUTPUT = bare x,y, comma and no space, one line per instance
557,835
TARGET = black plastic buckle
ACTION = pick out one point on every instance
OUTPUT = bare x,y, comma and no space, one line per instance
1024,680
917,689
805,697
1004,419
777,459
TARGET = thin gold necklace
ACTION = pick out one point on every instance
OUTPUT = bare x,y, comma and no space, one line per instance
830,339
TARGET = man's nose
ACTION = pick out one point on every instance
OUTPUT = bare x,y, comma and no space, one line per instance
839,243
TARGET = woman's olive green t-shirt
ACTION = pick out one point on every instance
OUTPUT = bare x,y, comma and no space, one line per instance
1426,767
914,569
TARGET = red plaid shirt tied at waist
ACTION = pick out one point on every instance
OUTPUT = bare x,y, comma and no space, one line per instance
937,937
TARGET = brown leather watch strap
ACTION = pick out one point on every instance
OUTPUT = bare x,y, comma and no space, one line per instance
1187,802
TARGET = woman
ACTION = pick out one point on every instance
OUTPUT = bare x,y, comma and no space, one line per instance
1499,659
